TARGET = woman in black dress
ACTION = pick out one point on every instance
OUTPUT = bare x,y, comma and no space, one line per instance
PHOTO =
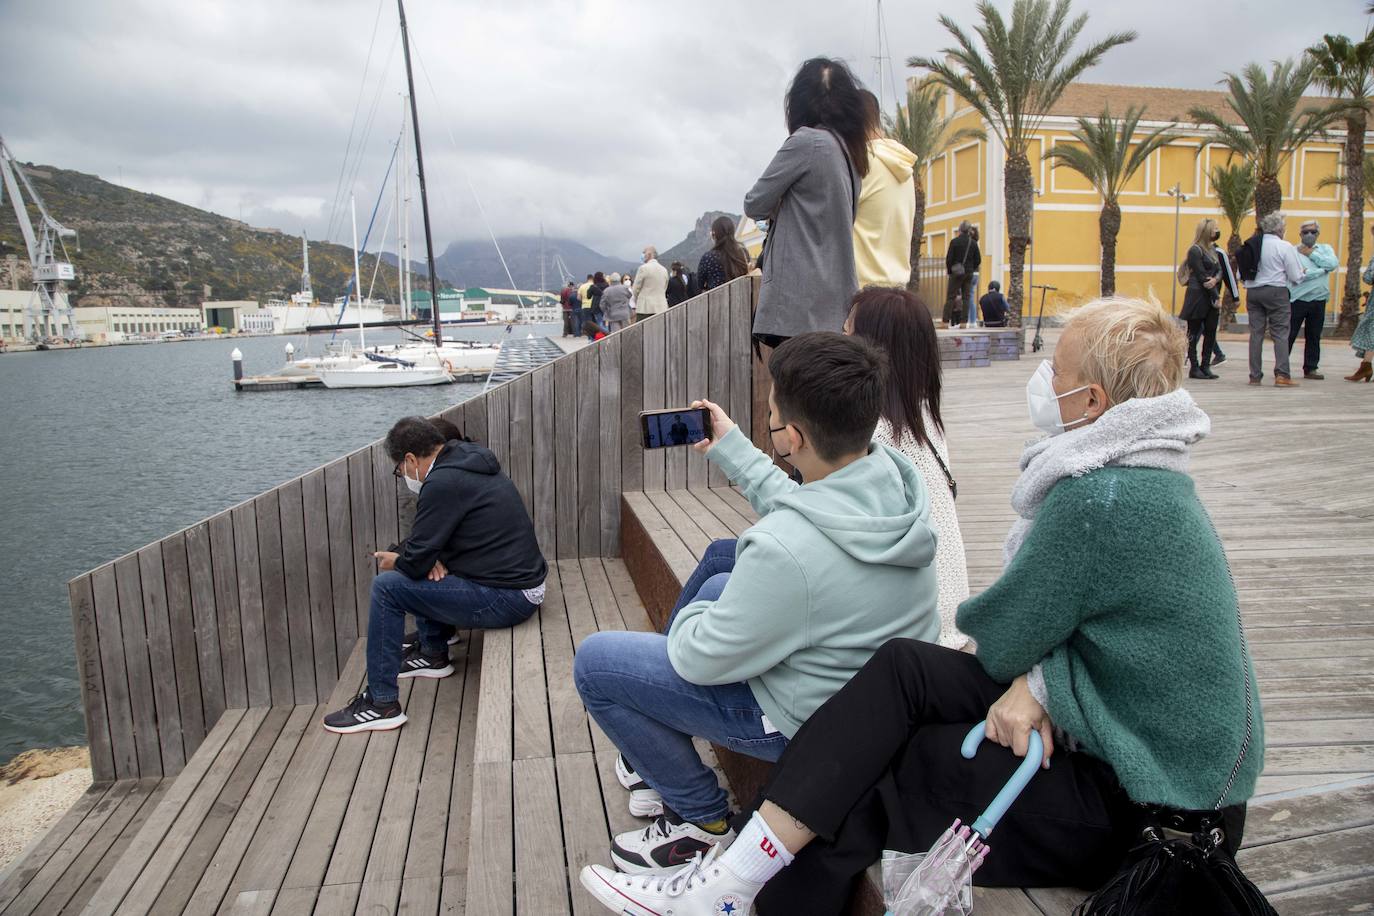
1200,303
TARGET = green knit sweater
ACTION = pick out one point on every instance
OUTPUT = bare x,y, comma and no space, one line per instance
1121,591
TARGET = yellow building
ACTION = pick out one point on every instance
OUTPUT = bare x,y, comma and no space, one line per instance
965,183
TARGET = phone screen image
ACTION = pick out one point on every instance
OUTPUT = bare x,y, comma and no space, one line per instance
665,429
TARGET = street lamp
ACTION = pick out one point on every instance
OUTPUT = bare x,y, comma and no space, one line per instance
1176,192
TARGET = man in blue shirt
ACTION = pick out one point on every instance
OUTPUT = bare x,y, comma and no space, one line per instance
994,306
1308,298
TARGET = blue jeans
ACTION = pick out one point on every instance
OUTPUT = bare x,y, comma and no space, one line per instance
438,608
718,558
651,714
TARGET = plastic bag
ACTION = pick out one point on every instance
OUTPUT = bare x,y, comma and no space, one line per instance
937,883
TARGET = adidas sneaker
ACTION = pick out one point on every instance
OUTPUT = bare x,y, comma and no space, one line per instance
415,663
669,842
412,639
702,887
644,801
364,714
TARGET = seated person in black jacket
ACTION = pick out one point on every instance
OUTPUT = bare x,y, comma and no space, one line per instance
471,560
994,307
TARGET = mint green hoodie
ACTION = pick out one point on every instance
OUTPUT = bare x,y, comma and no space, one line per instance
832,570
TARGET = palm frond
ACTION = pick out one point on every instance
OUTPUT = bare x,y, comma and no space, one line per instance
1234,187
1106,154
1363,180
921,127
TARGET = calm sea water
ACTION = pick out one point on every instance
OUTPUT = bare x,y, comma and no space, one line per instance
105,450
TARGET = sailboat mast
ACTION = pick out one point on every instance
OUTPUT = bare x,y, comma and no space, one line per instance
420,168
357,274
403,217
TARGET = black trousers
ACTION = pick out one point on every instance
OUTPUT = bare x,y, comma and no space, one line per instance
878,767
1206,328
956,298
1311,315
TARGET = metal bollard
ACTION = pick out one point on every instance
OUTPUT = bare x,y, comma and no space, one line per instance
237,357
290,352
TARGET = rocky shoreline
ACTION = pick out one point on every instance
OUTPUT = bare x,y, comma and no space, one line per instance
36,789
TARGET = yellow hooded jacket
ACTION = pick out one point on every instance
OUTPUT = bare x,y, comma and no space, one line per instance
887,208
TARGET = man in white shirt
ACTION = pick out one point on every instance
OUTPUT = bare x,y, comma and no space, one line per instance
651,286
1266,299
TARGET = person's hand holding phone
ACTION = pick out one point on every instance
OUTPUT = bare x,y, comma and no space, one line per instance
720,425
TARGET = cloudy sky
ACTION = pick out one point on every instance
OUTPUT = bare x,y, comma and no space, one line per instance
613,122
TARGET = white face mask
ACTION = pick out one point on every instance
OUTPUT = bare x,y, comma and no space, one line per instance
413,484
1043,403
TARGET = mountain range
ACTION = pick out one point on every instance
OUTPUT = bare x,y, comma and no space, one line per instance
135,248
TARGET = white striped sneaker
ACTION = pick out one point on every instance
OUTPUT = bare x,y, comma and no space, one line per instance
416,664
644,801
363,714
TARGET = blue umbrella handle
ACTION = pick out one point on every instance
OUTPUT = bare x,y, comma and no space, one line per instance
1035,754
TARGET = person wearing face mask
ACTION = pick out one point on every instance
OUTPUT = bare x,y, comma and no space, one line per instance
1114,632
1308,298
471,561
1276,267
1200,302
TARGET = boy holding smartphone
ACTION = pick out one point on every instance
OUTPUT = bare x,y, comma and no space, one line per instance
833,569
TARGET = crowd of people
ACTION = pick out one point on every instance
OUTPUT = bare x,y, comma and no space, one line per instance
837,637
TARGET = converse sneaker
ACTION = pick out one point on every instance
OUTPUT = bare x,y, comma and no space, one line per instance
644,801
415,663
704,886
668,842
364,714
412,639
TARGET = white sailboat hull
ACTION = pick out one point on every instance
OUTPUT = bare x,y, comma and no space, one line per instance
385,375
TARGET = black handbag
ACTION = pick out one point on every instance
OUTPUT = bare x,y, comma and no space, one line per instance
1183,863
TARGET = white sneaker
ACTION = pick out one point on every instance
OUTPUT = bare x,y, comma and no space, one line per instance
669,842
644,801
704,887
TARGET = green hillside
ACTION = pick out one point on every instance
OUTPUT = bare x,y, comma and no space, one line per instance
141,247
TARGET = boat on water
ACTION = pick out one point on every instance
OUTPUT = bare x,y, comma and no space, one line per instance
381,372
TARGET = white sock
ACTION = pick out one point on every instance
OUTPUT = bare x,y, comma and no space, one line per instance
756,854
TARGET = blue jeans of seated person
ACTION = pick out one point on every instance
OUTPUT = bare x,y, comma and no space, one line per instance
651,715
438,607
718,558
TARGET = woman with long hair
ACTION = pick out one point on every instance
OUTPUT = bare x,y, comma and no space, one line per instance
598,287
809,195
725,260
899,322
1200,303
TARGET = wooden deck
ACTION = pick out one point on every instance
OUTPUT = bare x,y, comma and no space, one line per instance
499,789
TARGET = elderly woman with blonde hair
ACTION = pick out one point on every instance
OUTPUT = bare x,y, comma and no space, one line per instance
1114,632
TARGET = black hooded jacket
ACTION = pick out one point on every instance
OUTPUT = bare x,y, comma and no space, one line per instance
470,517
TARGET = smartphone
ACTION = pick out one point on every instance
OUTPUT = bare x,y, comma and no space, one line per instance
675,426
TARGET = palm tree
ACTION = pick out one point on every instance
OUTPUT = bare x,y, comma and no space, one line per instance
1106,157
1234,187
1272,123
1346,68
922,128
1013,80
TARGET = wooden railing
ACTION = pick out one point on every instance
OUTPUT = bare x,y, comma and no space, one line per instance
261,604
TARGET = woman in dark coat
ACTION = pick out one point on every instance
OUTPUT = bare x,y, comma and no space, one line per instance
1200,303
598,287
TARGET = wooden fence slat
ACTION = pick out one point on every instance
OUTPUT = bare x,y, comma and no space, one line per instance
227,610
340,526
296,583
186,661
631,403
134,634
162,663
267,511
363,530
609,443
92,678
521,427
718,359
200,571
696,357
498,425
384,486
742,298
655,341
587,361
675,392
565,473
250,605
545,455
320,579
474,423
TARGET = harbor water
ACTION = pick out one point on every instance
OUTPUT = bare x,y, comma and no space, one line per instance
107,449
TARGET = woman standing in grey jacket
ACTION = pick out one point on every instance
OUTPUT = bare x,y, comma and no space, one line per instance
809,194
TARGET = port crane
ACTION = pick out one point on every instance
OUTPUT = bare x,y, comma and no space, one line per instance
49,271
